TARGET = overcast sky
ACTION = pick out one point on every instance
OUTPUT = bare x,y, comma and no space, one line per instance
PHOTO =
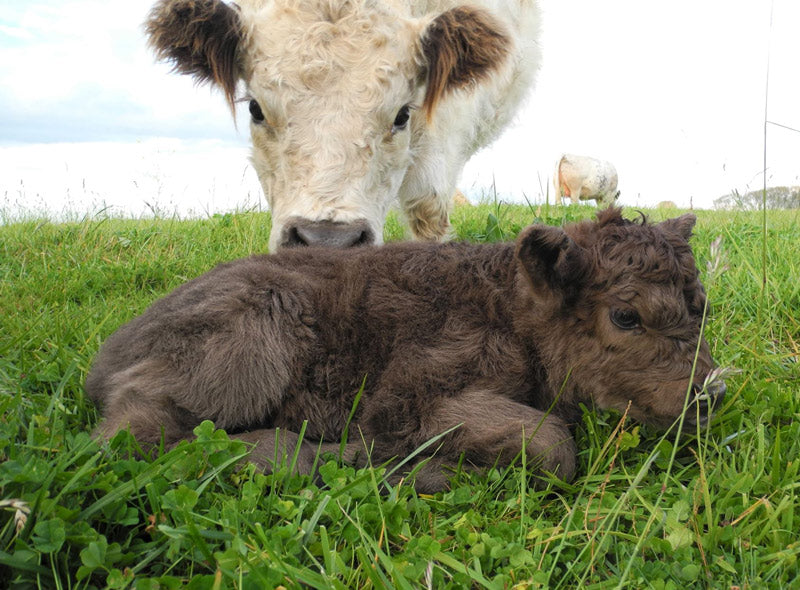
672,93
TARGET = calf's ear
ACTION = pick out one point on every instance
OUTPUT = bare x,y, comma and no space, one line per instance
201,38
553,262
461,45
681,226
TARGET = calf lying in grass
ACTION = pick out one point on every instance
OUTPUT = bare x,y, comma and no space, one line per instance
498,342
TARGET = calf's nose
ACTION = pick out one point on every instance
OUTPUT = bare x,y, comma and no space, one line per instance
330,234
716,391
709,397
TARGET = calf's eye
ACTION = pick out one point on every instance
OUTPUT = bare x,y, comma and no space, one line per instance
626,319
401,120
256,112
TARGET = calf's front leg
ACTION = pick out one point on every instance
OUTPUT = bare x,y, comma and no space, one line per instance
488,429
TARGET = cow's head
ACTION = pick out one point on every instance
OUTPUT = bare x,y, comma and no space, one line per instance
619,313
608,199
337,93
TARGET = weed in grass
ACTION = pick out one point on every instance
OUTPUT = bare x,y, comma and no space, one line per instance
710,509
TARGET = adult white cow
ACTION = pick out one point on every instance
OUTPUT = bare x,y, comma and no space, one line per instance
584,178
356,104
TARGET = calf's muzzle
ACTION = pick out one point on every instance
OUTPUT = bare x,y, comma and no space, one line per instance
709,397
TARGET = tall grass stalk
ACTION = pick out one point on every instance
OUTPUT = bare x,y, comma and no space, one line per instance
764,175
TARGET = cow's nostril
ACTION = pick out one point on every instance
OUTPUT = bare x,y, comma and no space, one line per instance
364,238
330,234
293,238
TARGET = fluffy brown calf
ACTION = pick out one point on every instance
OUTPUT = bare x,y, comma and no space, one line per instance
487,337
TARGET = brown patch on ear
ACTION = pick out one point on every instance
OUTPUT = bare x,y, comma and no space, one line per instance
681,226
461,45
200,38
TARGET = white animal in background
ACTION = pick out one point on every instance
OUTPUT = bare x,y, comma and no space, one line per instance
358,104
584,178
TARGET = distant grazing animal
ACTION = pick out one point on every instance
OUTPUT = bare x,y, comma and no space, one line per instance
584,178
667,205
358,104
483,339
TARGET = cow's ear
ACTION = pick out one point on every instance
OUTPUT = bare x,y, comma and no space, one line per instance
552,260
459,46
681,226
201,38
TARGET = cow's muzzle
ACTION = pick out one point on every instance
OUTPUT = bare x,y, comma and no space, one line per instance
329,234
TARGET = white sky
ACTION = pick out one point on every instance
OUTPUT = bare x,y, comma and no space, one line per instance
672,93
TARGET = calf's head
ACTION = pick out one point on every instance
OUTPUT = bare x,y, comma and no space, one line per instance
337,93
619,313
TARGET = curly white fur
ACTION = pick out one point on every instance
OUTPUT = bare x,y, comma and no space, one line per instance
330,77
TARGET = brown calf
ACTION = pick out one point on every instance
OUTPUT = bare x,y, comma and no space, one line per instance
485,338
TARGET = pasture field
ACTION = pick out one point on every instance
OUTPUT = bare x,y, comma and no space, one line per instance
717,508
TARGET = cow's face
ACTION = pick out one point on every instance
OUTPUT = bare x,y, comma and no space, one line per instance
334,103
338,92
624,315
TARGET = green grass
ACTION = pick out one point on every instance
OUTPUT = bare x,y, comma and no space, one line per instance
717,509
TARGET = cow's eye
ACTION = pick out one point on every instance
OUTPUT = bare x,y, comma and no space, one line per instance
626,319
256,112
401,120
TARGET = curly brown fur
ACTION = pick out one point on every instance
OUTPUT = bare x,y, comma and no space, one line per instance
480,338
